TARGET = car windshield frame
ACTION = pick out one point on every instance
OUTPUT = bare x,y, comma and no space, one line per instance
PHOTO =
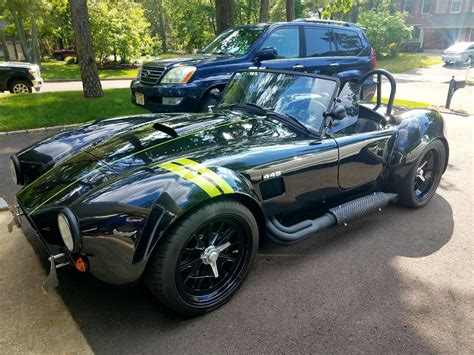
314,130
225,34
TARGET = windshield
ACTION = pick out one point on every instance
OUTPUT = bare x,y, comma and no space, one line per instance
237,41
461,46
305,98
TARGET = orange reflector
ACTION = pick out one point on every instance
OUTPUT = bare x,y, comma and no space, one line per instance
81,265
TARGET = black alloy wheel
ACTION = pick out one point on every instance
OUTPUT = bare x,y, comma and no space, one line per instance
423,179
205,258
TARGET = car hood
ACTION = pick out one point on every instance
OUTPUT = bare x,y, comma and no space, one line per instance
223,138
16,64
190,59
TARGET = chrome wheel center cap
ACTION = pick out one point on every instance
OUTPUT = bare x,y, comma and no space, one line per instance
210,256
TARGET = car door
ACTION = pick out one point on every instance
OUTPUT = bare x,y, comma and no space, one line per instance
319,50
363,142
4,74
286,41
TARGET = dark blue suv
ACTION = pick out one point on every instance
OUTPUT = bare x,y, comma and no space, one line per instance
192,82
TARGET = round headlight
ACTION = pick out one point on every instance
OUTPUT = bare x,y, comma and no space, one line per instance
65,231
13,171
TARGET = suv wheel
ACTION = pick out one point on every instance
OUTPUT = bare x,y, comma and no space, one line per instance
209,99
21,87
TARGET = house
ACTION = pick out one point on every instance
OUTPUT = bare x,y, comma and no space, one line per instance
439,23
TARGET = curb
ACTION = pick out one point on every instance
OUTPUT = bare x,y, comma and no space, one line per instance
79,80
36,130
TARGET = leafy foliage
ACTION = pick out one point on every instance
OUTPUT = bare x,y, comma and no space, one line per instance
122,31
384,27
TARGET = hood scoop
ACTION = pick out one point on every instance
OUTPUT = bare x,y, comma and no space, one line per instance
165,129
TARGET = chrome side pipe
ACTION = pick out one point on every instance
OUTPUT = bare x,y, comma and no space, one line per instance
338,215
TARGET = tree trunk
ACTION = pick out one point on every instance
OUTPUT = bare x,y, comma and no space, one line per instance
290,10
85,54
6,54
162,27
264,7
21,34
35,51
224,14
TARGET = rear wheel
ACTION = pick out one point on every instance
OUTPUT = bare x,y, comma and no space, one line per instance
204,260
20,87
423,179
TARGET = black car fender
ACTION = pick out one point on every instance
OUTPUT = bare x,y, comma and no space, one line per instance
416,129
120,234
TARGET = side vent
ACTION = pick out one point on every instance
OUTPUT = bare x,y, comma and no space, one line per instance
272,188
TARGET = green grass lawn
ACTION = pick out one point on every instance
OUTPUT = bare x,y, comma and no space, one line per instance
59,70
409,104
68,107
404,62
62,108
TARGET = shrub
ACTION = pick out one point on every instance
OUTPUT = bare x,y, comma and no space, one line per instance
393,49
70,60
384,28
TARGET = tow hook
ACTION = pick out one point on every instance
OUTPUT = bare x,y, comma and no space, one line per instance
52,279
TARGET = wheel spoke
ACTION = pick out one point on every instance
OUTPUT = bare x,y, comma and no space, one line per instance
186,264
225,236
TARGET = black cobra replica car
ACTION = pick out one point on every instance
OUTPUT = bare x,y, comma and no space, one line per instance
185,199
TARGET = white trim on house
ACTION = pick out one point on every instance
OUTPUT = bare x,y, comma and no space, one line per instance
460,7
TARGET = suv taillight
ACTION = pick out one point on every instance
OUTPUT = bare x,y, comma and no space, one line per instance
373,59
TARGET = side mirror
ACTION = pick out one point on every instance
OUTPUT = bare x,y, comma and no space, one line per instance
267,53
337,113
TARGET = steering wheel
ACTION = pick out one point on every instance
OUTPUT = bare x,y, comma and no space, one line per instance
393,87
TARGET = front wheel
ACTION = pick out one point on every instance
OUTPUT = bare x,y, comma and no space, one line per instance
21,87
421,182
204,260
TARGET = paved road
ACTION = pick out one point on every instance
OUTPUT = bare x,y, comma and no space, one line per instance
397,281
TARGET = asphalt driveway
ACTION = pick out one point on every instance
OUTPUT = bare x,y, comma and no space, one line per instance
396,281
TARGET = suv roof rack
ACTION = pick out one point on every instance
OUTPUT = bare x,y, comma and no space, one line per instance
328,22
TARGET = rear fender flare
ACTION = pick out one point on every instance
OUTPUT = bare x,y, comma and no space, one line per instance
416,129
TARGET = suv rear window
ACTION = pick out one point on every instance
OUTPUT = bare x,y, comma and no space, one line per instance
318,42
348,42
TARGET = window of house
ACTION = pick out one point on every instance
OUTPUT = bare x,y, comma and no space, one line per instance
408,6
318,42
415,34
286,41
426,7
456,6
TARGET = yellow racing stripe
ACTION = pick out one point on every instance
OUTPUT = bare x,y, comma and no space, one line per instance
219,181
189,175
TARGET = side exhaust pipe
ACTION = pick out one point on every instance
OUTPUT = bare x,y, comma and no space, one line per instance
338,215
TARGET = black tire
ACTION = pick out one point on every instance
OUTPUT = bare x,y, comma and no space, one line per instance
209,99
178,273
415,192
59,57
20,87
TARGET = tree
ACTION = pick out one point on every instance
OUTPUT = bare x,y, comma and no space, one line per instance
337,9
120,31
384,28
85,54
225,10
264,7
290,10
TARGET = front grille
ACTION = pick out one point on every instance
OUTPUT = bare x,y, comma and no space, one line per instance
151,75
